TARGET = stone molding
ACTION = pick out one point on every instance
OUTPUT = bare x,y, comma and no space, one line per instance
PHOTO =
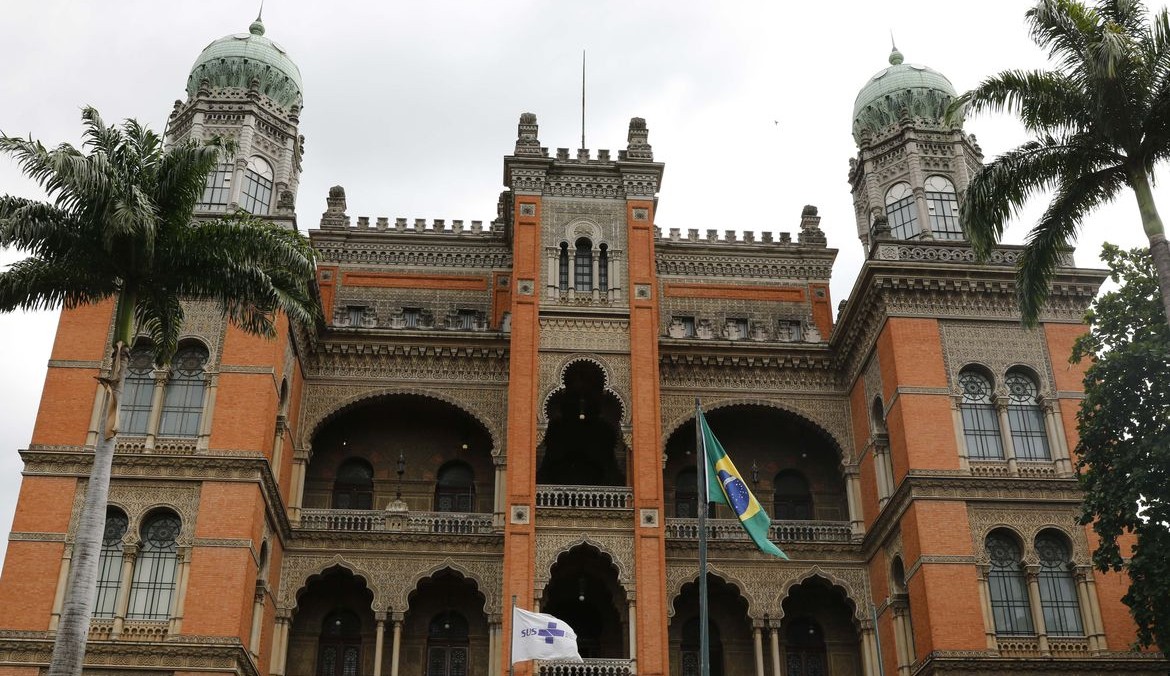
176,653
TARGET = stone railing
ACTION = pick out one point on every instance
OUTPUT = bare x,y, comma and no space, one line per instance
779,531
102,629
378,521
589,667
585,497
162,445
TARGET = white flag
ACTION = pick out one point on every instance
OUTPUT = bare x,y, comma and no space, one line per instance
536,636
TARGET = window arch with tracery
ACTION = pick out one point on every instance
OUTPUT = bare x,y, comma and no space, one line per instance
980,419
1026,418
339,649
902,212
353,487
110,563
153,587
583,265
182,409
1058,588
447,645
563,267
455,488
138,392
256,192
1008,589
943,206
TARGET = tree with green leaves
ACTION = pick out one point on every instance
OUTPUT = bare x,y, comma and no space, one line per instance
1124,426
118,225
1101,121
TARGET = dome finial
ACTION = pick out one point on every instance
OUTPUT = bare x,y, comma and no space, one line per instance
257,27
895,55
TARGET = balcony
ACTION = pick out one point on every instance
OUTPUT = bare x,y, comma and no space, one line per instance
588,667
378,521
779,531
584,497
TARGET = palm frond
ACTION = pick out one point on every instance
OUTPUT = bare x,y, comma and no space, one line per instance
159,313
34,226
1053,236
1062,27
1043,100
37,284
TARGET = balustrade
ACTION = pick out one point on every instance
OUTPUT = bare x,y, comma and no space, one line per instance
584,497
377,521
588,667
779,531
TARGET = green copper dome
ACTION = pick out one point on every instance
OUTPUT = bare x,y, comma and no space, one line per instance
236,60
923,92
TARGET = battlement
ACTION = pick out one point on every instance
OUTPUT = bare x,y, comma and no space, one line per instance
810,235
335,218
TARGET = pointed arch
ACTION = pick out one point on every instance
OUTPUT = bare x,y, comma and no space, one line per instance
483,588
674,589
855,592
606,385
546,561
294,583
838,439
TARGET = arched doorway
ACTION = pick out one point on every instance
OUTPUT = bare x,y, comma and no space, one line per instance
447,644
445,630
583,445
818,631
584,591
690,648
332,632
804,641
729,630
340,647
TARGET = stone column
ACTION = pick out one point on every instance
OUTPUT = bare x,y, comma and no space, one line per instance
62,581
494,655
985,606
396,644
208,410
237,178
1005,436
960,437
1056,443
122,603
853,498
296,493
257,618
279,658
774,640
550,261
498,496
633,615
278,448
884,475
180,599
156,402
869,658
617,280
758,643
1032,573
1086,616
903,640
379,638
923,211
1094,609
596,257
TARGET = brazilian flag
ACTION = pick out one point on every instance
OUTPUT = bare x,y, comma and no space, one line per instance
725,486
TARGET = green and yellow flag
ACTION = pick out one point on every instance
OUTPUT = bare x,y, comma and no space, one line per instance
725,486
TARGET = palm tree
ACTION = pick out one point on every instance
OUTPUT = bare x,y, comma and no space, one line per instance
1101,121
119,226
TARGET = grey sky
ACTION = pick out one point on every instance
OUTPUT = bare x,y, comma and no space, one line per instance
411,106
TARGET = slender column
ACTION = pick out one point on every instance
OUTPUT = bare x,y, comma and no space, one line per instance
960,438
379,638
920,204
596,272
985,606
500,490
257,619
1005,436
180,600
633,615
1056,443
156,403
122,602
396,644
758,643
62,580
297,489
279,658
902,639
278,448
237,178
551,263
1086,615
208,410
885,481
774,640
1095,609
1032,573
853,498
870,666
494,648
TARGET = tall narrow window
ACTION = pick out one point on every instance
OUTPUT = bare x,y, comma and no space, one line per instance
1006,584
805,644
138,393
1025,418
155,570
354,486
447,644
182,409
943,206
256,195
1058,589
339,650
980,421
411,316
110,563
603,268
689,647
902,212
563,267
455,488
218,190
791,497
583,266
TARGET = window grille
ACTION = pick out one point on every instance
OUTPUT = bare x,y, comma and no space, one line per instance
603,269
1058,589
110,564
1008,589
182,409
563,267
138,393
980,420
256,195
410,316
902,212
583,266
153,587
1026,418
217,192
943,206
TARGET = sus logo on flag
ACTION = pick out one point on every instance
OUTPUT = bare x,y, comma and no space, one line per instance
537,636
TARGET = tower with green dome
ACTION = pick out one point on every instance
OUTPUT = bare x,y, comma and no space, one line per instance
912,166
244,87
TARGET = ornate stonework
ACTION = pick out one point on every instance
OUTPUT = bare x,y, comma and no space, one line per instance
997,346
615,368
830,414
618,545
138,498
1026,521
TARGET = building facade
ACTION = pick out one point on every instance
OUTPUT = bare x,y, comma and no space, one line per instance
505,410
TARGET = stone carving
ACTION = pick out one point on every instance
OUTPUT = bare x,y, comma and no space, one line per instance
138,498
617,545
585,335
683,260
614,368
1026,521
829,415
997,346
766,584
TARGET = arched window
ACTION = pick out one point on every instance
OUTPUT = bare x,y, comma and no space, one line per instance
603,268
1058,589
1025,418
877,416
690,648
138,393
256,195
583,266
110,563
217,192
980,421
943,206
455,488
354,486
902,212
686,494
563,267
805,643
155,569
792,500
182,409
447,645
339,650
1007,587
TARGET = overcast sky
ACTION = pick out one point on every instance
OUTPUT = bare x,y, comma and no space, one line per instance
411,107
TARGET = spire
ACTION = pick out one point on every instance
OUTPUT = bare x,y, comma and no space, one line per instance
257,27
895,55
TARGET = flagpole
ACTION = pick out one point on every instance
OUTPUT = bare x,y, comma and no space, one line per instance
701,479
511,646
